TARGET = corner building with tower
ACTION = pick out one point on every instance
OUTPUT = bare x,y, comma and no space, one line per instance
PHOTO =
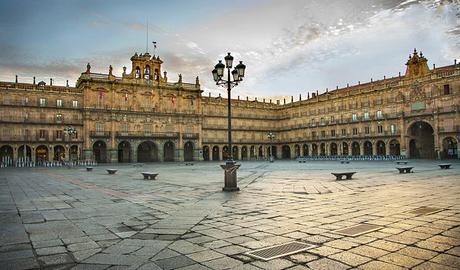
143,116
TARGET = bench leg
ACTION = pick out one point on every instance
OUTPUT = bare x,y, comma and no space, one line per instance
348,176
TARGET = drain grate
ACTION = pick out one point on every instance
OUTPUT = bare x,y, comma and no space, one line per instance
277,251
358,229
424,210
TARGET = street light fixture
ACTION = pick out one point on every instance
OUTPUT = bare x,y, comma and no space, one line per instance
237,74
271,137
70,131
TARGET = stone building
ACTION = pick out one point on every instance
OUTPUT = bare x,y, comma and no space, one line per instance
144,117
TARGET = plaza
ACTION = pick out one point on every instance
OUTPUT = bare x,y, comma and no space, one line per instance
60,218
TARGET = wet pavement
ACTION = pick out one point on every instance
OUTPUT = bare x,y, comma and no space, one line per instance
61,218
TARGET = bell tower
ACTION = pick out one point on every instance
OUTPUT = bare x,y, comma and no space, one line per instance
145,67
417,65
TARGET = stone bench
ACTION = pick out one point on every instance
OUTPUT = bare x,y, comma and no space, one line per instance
188,163
339,176
403,162
89,169
149,175
404,169
444,166
345,161
112,171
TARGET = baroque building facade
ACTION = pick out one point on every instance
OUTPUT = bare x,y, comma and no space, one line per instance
143,117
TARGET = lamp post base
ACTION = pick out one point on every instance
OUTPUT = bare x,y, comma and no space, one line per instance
230,169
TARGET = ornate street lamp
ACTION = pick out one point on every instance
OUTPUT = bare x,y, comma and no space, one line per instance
70,131
237,75
271,137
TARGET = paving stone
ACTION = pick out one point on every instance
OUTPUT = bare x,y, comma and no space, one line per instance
55,259
401,260
327,264
83,254
90,267
18,254
302,258
386,245
446,259
350,258
205,255
432,266
19,264
174,262
369,251
112,259
418,253
222,263
377,265
276,264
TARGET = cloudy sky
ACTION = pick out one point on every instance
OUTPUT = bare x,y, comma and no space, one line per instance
289,47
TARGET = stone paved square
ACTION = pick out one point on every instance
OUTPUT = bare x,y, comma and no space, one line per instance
74,219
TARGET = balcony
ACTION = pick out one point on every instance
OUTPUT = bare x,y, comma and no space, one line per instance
142,134
22,120
100,134
190,136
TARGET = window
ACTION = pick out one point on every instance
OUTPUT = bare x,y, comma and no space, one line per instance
42,102
59,117
59,103
58,134
313,134
42,134
323,133
380,129
147,72
147,128
446,89
99,127
366,116
355,131
313,121
379,114
75,103
124,128
393,129
332,119
367,130
322,121
354,117
25,100
344,132
332,133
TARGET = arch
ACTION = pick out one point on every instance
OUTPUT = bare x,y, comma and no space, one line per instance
206,153
147,72
367,148
147,152
168,151
225,153
261,152
24,151
421,140
244,153
235,152
59,153
6,154
124,152
449,148
305,150
73,152
355,149
381,150
297,150
322,148
285,152
137,74
100,151
188,151
215,153
314,149
252,152
41,154
345,151
333,149
395,148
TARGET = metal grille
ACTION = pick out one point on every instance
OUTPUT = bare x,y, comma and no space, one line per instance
424,210
277,251
358,229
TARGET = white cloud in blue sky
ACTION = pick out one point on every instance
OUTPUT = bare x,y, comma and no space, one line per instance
289,47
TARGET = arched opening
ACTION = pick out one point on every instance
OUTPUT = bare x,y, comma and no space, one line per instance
297,150
124,152
367,148
225,153
215,153
147,72
41,154
100,152
244,153
188,151
322,148
395,148
59,153
206,153
6,154
74,152
449,148
381,148
421,144
147,152
271,151
286,152
235,153
355,149
261,152
333,148
252,152
25,152
314,149
168,151
138,73
345,149
305,150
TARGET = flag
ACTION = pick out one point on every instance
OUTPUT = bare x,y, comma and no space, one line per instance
101,93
